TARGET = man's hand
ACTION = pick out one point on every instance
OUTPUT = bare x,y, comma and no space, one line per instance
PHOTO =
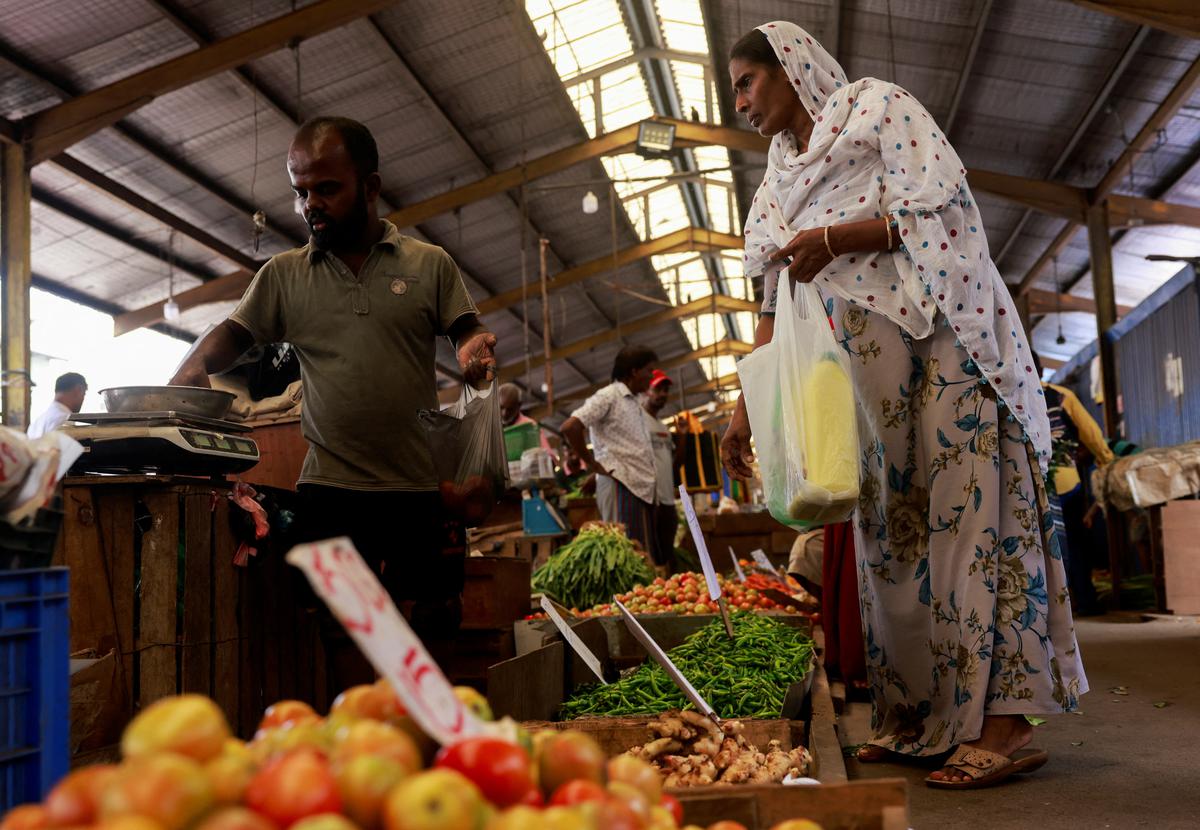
807,253
191,373
736,454
477,360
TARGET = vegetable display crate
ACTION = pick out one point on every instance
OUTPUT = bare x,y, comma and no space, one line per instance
668,630
34,683
495,591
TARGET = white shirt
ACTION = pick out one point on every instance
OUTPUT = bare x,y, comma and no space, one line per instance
620,439
664,460
55,416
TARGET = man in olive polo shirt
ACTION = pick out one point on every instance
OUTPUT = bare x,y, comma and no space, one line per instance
362,306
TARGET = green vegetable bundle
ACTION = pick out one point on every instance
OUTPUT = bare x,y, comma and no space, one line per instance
746,677
590,569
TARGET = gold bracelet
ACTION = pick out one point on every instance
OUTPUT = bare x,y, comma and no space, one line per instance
888,226
832,255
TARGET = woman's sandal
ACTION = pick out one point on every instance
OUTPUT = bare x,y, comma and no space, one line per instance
984,768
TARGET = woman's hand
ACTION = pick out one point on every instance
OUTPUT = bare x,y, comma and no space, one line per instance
736,454
808,254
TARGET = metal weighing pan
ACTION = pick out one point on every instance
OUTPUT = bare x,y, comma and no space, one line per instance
191,400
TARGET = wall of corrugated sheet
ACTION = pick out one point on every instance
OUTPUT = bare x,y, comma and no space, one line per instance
1154,416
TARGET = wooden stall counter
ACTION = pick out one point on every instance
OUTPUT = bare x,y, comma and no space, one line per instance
281,450
154,583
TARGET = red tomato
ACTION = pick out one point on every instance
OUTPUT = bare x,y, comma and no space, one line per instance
534,798
287,711
74,799
24,817
674,806
294,786
501,770
578,792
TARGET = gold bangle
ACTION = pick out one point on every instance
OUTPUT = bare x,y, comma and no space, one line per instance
829,248
888,227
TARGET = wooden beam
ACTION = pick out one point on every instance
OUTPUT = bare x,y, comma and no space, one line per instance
723,382
1056,245
719,303
1178,96
685,239
222,289
121,193
1179,17
232,286
16,231
1052,198
10,133
687,134
53,130
1131,211
1047,302
964,74
1100,244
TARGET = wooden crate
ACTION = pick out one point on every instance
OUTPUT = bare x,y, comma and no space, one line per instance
1180,523
533,685
495,592
158,586
581,511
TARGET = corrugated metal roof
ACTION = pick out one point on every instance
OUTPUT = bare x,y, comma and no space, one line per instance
456,90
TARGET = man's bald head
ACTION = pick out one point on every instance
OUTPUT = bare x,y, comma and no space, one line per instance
356,141
510,403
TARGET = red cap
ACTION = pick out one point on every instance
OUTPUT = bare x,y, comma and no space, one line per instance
659,376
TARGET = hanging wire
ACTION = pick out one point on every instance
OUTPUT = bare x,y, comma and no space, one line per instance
296,54
1060,340
891,45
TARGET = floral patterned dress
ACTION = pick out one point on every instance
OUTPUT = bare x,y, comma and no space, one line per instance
963,591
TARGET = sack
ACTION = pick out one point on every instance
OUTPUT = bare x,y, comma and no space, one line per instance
467,443
802,415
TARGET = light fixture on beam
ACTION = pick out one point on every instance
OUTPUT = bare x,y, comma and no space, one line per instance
590,203
655,139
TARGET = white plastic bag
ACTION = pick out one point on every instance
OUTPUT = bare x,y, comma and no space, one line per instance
467,443
802,414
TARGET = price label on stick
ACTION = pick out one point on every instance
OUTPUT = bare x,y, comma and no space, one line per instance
353,593
762,561
660,657
564,628
710,575
737,566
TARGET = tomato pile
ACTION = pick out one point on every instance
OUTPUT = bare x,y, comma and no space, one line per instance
686,593
364,766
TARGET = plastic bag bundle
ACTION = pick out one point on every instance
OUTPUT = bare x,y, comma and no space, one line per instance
467,443
802,414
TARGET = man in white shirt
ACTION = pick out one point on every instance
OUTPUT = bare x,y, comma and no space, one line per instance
69,391
668,455
623,464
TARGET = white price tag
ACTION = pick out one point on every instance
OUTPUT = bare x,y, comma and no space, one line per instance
572,639
660,657
353,593
710,575
737,566
762,561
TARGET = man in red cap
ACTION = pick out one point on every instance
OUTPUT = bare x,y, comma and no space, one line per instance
668,455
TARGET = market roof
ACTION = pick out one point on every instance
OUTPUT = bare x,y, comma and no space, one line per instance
458,91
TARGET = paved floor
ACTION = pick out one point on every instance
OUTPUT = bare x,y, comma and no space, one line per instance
1125,762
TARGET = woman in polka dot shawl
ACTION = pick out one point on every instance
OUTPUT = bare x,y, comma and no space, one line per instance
964,600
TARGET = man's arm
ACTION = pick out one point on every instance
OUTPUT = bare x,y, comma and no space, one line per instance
1090,434
215,353
475,346
576,434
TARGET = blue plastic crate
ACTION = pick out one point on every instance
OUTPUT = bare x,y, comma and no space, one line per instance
34,683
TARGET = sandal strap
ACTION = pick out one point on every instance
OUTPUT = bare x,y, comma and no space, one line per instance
976,763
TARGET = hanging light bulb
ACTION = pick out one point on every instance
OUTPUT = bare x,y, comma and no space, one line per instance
590,203
171,310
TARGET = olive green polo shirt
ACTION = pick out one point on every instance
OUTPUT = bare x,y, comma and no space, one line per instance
366,347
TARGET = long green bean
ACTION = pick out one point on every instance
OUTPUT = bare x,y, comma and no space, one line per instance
747,677
597,564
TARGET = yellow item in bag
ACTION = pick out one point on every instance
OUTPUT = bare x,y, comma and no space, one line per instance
830,443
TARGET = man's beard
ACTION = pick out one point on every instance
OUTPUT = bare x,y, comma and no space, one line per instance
339,235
